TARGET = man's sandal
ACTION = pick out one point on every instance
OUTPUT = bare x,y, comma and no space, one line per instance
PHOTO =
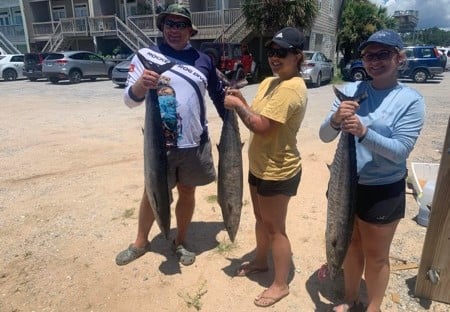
185,257
131,253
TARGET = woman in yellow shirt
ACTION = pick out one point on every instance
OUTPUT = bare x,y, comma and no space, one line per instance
274,119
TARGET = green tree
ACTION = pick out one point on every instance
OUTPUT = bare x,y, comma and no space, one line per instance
269,16
360,19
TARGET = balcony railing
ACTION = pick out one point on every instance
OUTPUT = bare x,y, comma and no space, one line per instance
13,32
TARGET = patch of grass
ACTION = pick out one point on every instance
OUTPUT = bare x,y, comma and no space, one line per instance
225,247
211,199
128,213
195,300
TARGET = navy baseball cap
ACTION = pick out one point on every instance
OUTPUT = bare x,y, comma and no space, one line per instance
387,37
288,37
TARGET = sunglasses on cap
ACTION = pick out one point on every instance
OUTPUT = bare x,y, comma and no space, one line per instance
379,56
177,25
280,52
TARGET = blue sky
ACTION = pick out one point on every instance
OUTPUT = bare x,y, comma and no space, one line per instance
431,12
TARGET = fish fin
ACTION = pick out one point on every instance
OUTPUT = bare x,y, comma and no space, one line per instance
241,83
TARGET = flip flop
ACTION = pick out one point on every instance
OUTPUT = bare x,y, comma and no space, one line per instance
267,301
246,269
354,306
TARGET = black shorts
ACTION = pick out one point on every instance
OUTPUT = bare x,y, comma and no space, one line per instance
270,188
381,204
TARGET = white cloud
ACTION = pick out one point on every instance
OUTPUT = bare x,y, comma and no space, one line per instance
431,12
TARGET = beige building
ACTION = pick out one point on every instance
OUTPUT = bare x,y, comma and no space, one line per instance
122,26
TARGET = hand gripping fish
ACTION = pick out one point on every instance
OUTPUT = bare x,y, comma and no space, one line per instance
341,198
230,172
155,157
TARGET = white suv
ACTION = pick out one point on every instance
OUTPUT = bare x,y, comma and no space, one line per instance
11,66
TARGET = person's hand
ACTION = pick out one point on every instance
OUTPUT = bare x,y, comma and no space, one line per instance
148,80
354,126
233,98
345,110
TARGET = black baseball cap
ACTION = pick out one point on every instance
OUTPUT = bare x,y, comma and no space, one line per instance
387,37
288,37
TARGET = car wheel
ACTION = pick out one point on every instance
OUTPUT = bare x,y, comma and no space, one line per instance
9,74
75,76
53,79
318,81
358,74
32,79
331,75
93,78
110,73
420,75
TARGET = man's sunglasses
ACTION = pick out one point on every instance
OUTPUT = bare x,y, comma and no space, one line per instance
177,25
280,52
379,56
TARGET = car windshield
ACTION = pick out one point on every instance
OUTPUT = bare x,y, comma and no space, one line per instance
308,55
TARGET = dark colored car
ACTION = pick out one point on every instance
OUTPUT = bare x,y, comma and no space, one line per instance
423,62
75,66
120,72
32,68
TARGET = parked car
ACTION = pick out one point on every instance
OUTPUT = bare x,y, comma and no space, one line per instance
423,62
33,65
232,59
11,66
316,68
120,72
75,66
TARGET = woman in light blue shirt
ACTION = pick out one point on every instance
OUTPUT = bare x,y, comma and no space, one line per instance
386,126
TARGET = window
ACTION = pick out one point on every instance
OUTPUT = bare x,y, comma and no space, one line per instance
319,5
59,12
81,10
17,17
331,7
4,19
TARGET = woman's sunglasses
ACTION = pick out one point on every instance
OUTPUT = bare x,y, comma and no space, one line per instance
379,56
280,52
177,25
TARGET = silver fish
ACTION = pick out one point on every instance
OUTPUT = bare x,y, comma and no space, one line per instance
341,197
230,171
155,154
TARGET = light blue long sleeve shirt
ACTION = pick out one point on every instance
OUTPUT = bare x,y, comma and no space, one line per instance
394,118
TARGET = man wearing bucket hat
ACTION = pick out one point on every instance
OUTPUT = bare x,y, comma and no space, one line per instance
386,126
181,88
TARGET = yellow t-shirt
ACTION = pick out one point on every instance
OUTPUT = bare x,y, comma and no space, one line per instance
275,156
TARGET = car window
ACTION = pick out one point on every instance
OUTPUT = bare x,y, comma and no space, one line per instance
17,58
54,56
409,53
93,57
308,55
2,57
427,53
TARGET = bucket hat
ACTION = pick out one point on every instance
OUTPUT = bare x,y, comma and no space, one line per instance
179,10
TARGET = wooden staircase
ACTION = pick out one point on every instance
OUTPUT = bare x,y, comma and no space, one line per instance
236,32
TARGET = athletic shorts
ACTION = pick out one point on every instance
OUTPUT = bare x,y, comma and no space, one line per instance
381,204
190,166
270,188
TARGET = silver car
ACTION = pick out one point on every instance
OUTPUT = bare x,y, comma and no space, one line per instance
120,72
76,65
11,66
316,68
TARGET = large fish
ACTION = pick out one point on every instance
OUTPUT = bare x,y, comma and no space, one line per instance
155,154
230,172
341,196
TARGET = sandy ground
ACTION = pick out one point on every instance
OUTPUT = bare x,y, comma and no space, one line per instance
71,178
